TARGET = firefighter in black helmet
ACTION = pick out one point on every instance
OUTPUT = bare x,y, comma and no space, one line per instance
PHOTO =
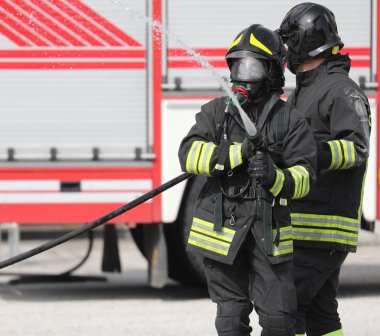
242,223
327,221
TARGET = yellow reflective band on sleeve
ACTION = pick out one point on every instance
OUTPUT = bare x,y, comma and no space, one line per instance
192,157
205,158
236,42
348,154
255,42
335,333
199,157
278,183
301,181
336,154
342,154
236,158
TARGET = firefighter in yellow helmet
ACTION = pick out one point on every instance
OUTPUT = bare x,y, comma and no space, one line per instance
326,222
241,223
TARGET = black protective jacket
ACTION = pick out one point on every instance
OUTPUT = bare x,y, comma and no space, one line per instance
338,112
223,218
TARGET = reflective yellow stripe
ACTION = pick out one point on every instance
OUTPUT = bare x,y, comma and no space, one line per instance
345,155
219,167
193,156
331,236
190,157
301,181
210,233
205,158
286,241
348,154
335,333
336,154
203,236
342,159
283,248
285,230
207,247
286,236
283,201
209,239
352,148
235,155
201,169
211,225
199,157
333,222
306,180
297,183
208,243
278,183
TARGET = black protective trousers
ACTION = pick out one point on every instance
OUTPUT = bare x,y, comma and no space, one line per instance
252,278
316,273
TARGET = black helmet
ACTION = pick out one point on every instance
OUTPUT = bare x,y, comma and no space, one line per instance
258,42
309,30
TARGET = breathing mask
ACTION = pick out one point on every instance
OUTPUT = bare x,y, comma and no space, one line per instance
248,77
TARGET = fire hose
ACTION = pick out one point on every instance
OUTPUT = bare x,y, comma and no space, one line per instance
252,133
90,226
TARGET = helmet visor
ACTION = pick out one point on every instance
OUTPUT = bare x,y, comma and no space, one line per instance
248,69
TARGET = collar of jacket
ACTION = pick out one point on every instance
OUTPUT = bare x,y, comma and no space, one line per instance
334,64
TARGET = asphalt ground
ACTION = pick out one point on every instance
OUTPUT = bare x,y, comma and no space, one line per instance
124,304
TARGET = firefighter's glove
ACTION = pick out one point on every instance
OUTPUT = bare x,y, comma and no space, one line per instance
262,168
324,156
247,149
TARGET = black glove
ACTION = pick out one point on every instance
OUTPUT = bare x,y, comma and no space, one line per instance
250,146
247,149
261,167
324,157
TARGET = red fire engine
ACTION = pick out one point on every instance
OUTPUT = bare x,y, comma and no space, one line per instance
96,96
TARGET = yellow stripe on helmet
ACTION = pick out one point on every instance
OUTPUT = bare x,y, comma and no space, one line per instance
236,42
255,42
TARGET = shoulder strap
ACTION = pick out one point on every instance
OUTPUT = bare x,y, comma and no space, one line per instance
281,121
221,119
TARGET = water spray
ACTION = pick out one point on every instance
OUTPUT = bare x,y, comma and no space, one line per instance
248,124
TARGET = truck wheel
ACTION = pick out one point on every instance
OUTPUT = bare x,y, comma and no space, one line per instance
183,267
367,225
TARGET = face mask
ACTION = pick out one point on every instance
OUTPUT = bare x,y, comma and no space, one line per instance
247,93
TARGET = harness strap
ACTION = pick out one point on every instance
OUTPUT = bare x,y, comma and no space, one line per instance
250,193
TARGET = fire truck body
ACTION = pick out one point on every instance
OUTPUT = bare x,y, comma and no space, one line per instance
95,101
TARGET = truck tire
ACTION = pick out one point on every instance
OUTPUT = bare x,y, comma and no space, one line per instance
367,225
183,267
